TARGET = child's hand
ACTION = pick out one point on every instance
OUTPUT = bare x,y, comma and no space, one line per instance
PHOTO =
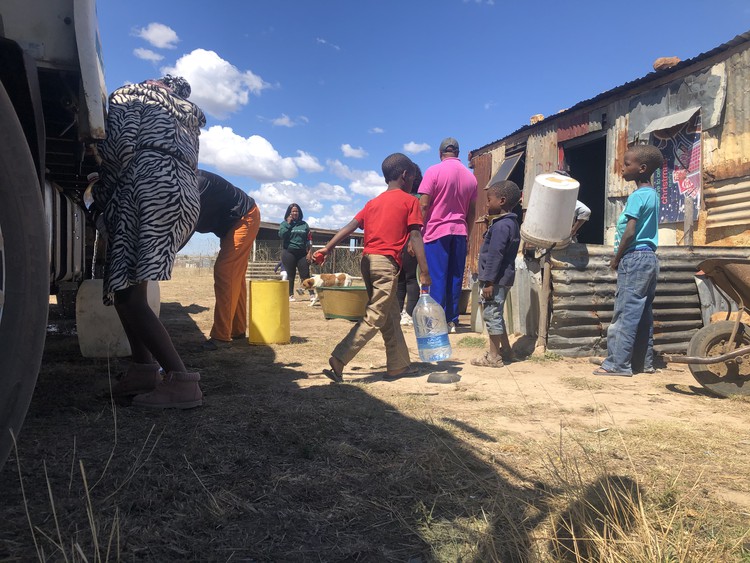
319,256
487,292
424,278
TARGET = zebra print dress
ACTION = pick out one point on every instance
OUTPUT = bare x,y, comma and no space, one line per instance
148,186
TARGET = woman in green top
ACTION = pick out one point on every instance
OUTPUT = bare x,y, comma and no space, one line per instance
296,242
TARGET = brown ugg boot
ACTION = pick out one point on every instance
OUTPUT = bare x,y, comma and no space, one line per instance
178,390
140,378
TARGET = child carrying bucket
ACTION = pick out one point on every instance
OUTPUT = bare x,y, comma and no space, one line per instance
388,220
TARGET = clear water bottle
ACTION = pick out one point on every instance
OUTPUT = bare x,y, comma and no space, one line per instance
431,329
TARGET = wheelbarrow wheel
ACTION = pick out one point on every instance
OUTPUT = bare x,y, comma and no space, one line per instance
724,378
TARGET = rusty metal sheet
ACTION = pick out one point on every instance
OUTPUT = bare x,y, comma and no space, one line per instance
727,203
583,289
482,166
572,126
706,88
541,157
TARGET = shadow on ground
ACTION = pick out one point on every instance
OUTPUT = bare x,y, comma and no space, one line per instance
267,470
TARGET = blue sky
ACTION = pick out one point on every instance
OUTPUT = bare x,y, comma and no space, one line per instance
305,99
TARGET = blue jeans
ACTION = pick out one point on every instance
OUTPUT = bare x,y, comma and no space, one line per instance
492,311
446,258
630,337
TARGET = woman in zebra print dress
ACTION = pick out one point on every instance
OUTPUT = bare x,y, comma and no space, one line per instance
149,197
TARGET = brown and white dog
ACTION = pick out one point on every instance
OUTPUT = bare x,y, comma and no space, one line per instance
326,280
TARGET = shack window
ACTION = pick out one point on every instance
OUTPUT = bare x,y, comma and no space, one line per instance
506,169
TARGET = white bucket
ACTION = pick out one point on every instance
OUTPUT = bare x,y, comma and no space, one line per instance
100,332
550,211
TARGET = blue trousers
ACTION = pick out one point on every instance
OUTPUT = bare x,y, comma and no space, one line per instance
630,337
446,259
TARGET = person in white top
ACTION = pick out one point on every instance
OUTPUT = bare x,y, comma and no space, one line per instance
580,216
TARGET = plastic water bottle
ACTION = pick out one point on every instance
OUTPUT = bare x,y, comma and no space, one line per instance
431,329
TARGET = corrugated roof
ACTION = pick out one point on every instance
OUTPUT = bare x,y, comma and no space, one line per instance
651,76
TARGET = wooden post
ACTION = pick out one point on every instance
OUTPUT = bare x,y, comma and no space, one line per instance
544,301
687,238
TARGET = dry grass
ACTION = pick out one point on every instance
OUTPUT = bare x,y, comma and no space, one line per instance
281,466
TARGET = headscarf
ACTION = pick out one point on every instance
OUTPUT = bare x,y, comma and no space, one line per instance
178,85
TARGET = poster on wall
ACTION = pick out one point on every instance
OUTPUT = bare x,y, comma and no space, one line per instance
681,174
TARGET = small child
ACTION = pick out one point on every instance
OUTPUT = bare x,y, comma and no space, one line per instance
388,221
497,269
630,336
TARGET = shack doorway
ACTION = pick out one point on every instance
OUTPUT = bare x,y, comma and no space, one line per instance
586,162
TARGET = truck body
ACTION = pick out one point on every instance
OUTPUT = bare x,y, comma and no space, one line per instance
52,108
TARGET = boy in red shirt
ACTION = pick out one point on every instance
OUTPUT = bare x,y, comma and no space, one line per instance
388,221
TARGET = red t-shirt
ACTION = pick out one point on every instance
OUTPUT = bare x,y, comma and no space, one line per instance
386,220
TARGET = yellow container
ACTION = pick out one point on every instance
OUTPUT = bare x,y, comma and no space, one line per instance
268,311
343,302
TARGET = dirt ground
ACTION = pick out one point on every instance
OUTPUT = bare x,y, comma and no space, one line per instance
282,465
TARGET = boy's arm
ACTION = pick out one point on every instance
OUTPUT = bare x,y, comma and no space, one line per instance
415,239
345,231
627,238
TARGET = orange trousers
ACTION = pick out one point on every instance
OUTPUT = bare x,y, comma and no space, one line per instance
230,287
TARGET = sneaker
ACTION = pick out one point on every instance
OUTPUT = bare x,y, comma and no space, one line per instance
406,320
452,328
291,298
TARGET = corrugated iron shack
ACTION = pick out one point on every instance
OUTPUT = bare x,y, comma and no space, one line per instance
698,113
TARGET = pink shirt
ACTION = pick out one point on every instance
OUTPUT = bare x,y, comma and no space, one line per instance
451,187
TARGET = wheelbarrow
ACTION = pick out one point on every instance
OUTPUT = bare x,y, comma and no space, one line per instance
718,355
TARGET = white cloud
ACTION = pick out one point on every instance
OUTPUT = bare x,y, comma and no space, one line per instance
339,216
350,152
147,55
364,182
158,35
377,130
324,42
253,156
307,162
283,121
415,148
274,197
218,87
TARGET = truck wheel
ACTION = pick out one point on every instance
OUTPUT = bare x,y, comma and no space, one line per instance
24,276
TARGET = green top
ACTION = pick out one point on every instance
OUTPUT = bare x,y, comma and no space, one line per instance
294,236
